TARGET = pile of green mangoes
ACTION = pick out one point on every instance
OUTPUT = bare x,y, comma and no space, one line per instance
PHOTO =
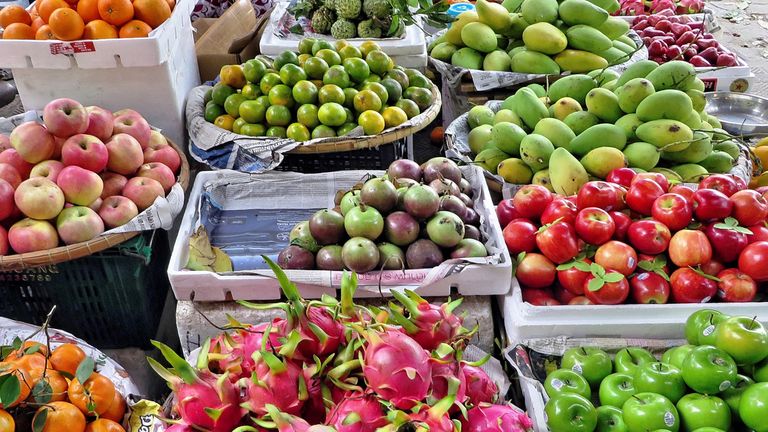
537,37
650,118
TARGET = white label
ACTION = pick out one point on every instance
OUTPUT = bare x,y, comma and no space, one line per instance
669,419
577,368
725,385
708,330
706,300
557,384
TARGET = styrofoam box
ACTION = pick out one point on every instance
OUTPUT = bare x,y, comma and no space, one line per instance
468,279
151,75
523,320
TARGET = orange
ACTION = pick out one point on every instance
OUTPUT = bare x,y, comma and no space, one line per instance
152,12
135,29
99,29
25,386
66,24
44,33
28,347
116,410
46,8
104,425
762,154
37,22
171,4
58,385
18,31
66,358
89,10
62,416
98,393
7,424
115,12
14,14
31,361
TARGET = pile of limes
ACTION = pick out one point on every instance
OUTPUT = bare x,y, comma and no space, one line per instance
325,90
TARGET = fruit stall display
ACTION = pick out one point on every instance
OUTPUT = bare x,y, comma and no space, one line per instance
78,173
629,8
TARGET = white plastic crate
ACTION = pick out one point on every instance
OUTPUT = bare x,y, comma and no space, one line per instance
151,75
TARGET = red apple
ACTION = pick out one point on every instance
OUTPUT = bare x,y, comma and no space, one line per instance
572,279
505,211
113,184
580,301
562,295
689,286
659,178
649,236
39,198
558,242
735,286
689,248
649,288
594,225
100,122
58,144
710,204
642,194
85,151
621,176
535,271
64,118
80,186
531,200
673,210
158,151
30,235
539,297
7,204
749,207
159,172
125,154
78,224
559,209
33,142
4,246
117,210
607,293
712,268
683,190
5,142
720,182
621,221
9,174
12,158
759,233
520,236
143,191
618,256
726,240
134,126
49,169
599,194
754,261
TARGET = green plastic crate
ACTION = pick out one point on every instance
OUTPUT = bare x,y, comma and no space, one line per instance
112,299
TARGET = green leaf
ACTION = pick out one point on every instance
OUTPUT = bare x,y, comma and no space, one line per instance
595,284
10,389
660,260
520,256
17,343
646,265
394,25
32,349
42,392
566,266
39,423
582,266
743,230
84,370
662,274
613,277
731,221
596,269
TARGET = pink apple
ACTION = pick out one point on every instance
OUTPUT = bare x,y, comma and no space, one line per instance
7,204
113,184
78,224
125,154
135,126
80,186
143,191
33,142
3,241
100,122
85,151
5,142
57,150
117,210
96,204
157,139
126,111
49,169
159,172
163,153
39,198
9,174
30,235
65,117
12,157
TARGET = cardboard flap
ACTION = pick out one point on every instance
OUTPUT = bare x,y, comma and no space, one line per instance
231,32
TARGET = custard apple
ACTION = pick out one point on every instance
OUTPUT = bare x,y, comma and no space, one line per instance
367,29
323,19
377,8
330,4
343,29
348,9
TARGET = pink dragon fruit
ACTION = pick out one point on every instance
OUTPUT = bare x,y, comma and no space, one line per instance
442,373
233,353
435,418
203,400
358,412
430,325
286,422
314,410
274,381
397,368
496,418
632,8
480,387
689,7
179,427
661,5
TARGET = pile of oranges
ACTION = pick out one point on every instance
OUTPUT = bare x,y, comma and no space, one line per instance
49,387
70,20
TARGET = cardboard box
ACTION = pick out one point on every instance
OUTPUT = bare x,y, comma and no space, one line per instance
230,39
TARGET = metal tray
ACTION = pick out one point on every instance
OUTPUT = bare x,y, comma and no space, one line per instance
739,113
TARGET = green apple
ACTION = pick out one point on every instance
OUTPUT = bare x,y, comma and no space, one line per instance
660,378
593,364
628,359
650,411
732,396
675,356
753,408
709,429
610,419
744,338
701,323
570,412
616,389
698,411
566,381
709,370
760,374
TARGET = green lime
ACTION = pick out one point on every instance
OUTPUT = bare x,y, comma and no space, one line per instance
315,67
372,78
350,51
254,70
409,106
372,122
305,45
357,69
303,59
290,74
297,132
367,100
394,116
278,115
285,58
379,89
368,46
330,93
249,129
420,95
254,111
419,80
281,95
393,88
208,95
350,115
269,80
221,92
346,128
331,57
411,72
212,110
349,97
307,115
323,131
399,76
332,114
304,92
337,75
238,124
225,121
340,44
276,132
321,44
251,91
232,104
379,62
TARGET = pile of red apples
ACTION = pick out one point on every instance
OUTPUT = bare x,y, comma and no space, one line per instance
82,171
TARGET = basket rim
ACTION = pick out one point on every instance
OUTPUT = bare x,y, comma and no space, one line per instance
79,250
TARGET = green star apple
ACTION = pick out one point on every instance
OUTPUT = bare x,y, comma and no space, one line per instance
662,379
616,389
698,411
709,370
566,381
650,411
593,364
628,359
570,412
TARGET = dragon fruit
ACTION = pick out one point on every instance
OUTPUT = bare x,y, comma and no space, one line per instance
233,353
203,400
428,324
179,427
286,422
496,418
358,412
632,8
442,373
660,5
689,6
480,387
435,418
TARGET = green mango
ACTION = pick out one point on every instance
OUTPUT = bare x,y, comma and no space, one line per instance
600,135
515,51
628,41
671,176
700,148
642,155
453,34
467,58
558,133
574,12
581,121
541,178
515,171
693,120
669,135
479,115
718,162
564,107
602,160
437,41
665,104
632,93
586,38
604,104
534,63
690,173
512,5
638,69
535,151
517,26
497,61
603,76
573,86
629,124
696,84
626,49
507,115
479,36
443,51
494,15
545,38
508,137
479,138
489,159
535,11
728,146
538,89
529,107
610,6
614,27
714,122
579,61
610,85
566,173
614,56
509,104
672,75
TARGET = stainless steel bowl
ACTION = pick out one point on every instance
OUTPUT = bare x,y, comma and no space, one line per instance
739,113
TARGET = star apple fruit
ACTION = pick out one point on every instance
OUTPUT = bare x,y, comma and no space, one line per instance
125,154
572,278
732,396
7,204
85,151
649,236
33,142
659,178
49,169
159,172
520,236
580,301
535,271
689,248
65,117
642,194
610,419
691,286
160,151
621,176
80,186
650,411
753,407
759,233
505,211
735,286
113,184
100,122
4,246
39,198
531,200
558,242
78,224
749,207
649,288
31,235
720,182
673,210
135,126
753,261
698,411
660,378
566,381
560,209
616,388
618,256
675,355
621,221
593,364
9,174
710,204
599,194
594,225
709,370
627,360
743,338
570,412
683,190
143,191
12,158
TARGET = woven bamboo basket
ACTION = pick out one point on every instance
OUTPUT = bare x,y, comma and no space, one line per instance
79,250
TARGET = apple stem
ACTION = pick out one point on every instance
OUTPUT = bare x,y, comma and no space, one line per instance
584,350
752,324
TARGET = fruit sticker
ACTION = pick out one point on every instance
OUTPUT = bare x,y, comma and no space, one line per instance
72,47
